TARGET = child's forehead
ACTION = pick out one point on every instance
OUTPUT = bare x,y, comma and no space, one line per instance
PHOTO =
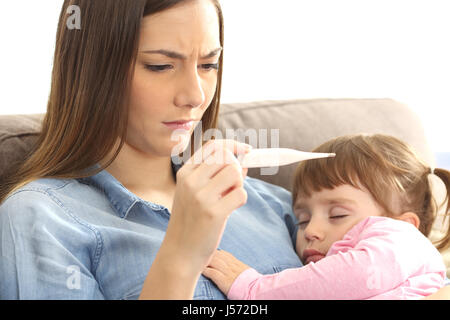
345,194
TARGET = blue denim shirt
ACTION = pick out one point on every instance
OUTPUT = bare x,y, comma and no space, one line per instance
92,238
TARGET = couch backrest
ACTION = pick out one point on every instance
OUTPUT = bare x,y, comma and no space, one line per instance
305,124
302,125
17,136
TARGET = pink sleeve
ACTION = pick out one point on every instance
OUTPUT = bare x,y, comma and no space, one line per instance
375,256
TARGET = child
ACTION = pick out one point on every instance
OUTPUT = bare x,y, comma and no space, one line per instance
359,216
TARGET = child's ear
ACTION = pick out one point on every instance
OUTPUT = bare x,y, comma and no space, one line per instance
410,217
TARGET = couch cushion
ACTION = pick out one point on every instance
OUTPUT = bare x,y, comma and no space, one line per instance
17,136
305,124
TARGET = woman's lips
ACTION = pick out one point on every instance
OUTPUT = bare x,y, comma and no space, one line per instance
311,255
183,125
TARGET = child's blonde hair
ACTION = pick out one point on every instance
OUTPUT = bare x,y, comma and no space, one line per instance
387,167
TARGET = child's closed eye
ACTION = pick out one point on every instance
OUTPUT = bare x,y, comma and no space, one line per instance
339,217
302,224
303,216
338,212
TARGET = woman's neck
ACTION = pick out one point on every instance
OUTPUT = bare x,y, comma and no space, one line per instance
141,173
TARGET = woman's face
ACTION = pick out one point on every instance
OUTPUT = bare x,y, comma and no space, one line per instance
175,76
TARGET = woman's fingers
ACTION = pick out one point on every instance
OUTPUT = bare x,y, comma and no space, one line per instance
244,172
217,161
208,183
212,165
206,194
216,148
234,199
228,175
219,186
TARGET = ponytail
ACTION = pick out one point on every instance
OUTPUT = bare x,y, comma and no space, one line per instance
444,175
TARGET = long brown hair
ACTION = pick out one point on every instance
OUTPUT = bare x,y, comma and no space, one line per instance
394,175
90,89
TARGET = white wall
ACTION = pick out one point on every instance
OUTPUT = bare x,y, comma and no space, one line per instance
396,49
280,49
27,35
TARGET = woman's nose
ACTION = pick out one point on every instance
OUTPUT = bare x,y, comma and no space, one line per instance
190,92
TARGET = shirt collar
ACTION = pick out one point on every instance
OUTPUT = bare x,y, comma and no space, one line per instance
121,199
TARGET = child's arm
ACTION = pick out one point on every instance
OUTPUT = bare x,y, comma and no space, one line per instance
325,279
375,257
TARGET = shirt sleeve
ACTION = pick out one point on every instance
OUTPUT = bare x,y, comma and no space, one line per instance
46,253
375,256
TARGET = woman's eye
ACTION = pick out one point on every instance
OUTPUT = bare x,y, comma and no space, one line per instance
210,66
158,68
164,67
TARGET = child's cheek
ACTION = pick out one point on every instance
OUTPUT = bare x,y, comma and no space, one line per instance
299,245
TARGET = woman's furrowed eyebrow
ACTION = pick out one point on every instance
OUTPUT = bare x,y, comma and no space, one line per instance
179,56
213,53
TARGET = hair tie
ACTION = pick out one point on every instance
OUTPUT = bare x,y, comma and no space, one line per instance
438,190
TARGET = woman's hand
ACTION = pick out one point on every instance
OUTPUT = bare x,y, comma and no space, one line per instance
223,269
210,186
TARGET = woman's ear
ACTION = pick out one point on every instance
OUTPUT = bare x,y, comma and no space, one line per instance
410,217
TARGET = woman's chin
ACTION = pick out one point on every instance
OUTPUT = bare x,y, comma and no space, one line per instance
176,148
165,147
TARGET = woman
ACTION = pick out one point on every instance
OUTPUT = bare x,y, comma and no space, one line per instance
99,211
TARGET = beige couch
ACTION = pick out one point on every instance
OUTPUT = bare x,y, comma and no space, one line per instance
302,124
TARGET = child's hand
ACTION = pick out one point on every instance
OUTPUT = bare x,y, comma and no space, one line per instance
223,269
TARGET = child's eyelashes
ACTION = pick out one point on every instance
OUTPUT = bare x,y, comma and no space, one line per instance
304,223
339,217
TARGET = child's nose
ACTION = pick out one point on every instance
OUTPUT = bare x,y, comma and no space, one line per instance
314,230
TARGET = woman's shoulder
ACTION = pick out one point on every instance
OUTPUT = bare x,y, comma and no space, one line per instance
43,189
45,196
48,205
44,184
